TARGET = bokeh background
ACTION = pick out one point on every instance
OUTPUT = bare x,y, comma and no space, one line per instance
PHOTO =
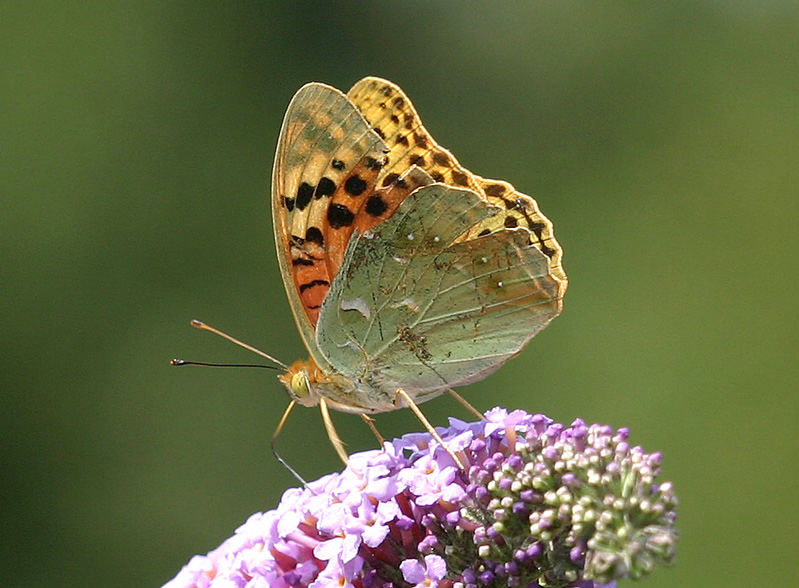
136,150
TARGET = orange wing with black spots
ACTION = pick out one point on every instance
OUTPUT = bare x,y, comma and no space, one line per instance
393,117
327,161
324,186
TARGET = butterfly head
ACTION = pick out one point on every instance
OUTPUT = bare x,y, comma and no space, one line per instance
298,380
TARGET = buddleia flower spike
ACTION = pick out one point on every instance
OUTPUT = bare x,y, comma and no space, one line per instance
539,504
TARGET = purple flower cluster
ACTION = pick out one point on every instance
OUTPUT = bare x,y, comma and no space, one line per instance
539,503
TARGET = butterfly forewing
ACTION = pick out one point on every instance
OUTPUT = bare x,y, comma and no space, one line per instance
327,157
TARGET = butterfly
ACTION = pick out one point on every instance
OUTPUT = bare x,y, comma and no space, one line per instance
407,274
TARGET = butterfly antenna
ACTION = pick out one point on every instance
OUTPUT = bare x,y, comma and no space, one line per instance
201,325
179,362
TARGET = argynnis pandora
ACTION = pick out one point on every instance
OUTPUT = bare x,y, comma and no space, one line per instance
406,273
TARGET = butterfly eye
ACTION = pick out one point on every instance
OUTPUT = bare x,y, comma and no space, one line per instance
300,387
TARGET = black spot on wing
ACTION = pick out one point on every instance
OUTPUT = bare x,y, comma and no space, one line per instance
314,235
441,158
390,178
376,206
325,187
313,284
495,190
537,228
288,203
339,216
337,164
354,186
304,195
373,164
459,178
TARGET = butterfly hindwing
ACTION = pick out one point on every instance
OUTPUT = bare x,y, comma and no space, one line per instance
414,307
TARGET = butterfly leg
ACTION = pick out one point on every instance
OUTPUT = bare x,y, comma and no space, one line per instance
371,423
275,435
332,434
412,405
465,404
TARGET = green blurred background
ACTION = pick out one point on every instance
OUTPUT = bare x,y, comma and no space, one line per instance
137,142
